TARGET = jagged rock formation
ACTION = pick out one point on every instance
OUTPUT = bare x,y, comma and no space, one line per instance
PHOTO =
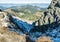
49,23
51,17
52,14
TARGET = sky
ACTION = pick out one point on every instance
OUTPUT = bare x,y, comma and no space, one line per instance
25,1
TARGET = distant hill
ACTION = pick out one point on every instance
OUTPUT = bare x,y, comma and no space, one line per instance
27,9
5,5
2,8
28,12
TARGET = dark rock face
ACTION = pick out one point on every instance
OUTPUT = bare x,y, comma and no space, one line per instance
0,10
51,17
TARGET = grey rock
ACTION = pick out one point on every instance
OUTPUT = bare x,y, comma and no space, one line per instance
51,17
52,14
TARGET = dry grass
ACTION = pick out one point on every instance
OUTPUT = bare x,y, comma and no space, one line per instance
44,39
8,36
30,17
39,14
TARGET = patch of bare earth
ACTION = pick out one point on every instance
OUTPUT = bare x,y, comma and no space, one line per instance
44,39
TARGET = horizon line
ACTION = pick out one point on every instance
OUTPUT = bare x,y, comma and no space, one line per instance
24,3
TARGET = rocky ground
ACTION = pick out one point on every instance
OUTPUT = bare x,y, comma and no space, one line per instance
46,30
51,15
5,34
49,22
11,35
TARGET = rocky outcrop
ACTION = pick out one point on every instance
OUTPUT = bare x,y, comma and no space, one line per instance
5,34
51,17
4,20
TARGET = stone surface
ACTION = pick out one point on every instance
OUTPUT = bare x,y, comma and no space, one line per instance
4,19
51,17
5,34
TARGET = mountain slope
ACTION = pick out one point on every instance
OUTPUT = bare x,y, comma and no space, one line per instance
51,15
27,9
5,34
